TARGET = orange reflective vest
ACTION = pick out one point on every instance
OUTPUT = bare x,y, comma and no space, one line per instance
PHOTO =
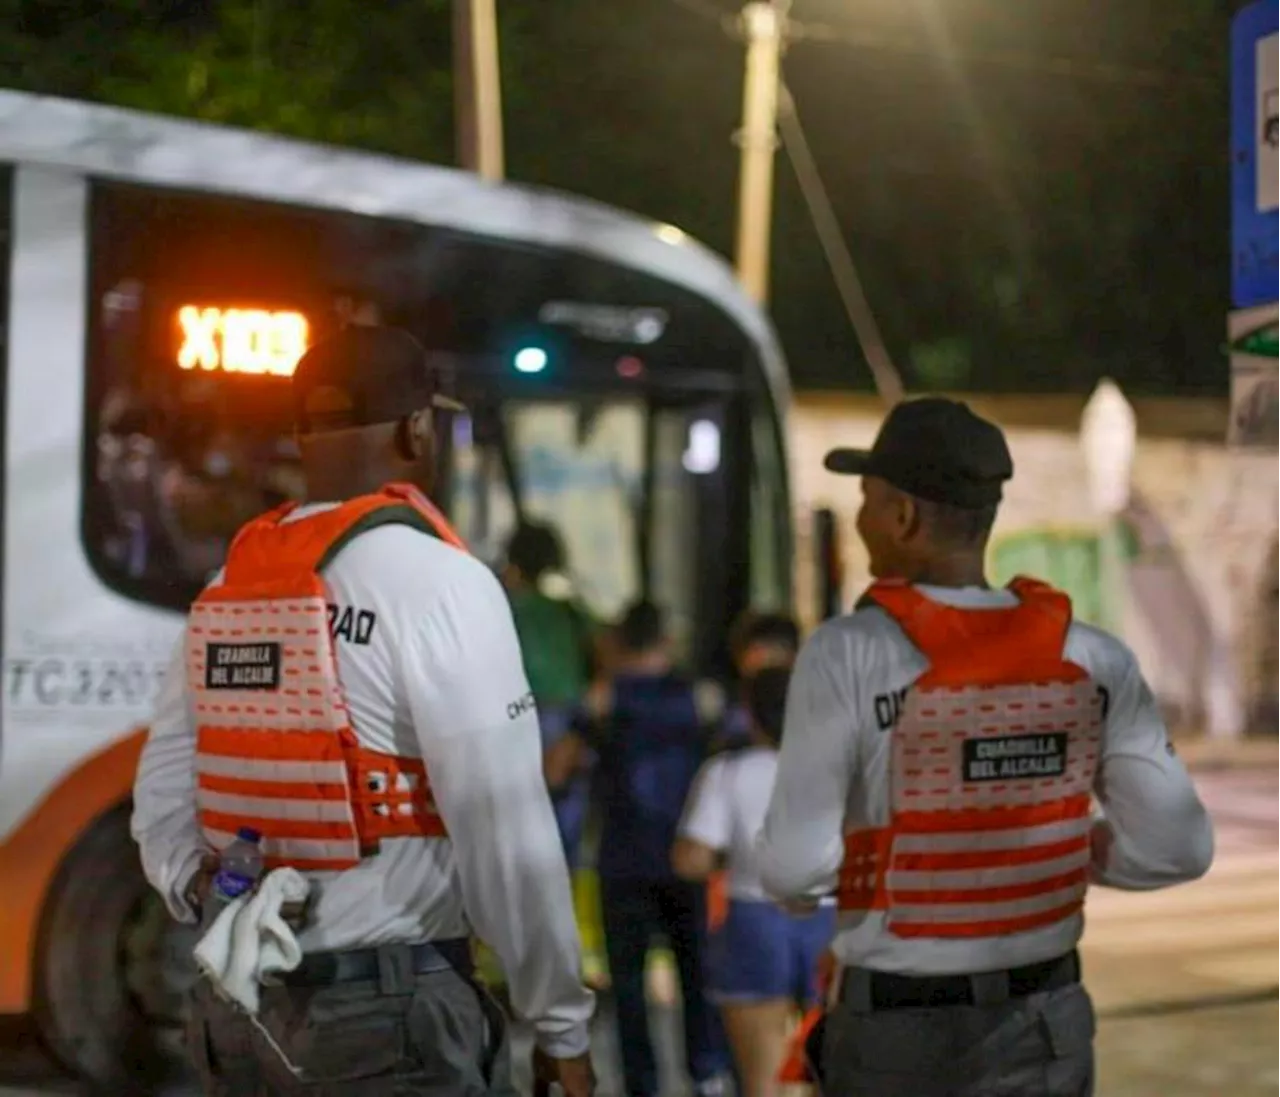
275,749
992,761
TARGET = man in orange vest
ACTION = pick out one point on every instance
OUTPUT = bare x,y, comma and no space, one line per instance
942,746
350,689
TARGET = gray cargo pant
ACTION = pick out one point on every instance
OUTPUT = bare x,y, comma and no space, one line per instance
1037,1046
427,1035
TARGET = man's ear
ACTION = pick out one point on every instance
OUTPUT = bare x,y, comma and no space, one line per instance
910,516
421,433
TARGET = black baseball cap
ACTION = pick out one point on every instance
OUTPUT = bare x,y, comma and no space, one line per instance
934,449
364,375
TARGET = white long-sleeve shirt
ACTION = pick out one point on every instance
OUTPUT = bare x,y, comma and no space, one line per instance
833,773
430,664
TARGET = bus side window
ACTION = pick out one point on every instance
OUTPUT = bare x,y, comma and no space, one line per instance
770,563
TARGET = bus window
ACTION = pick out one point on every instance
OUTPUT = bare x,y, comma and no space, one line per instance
770,581
580,468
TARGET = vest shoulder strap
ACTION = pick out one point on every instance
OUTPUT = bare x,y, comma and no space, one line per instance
882,593
268,544
986,646
398,504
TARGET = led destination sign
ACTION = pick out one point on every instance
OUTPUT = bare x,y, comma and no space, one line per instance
241,340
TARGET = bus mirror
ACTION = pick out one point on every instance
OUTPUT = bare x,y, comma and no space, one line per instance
829,563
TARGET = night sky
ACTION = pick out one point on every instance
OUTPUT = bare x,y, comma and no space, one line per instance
1035,194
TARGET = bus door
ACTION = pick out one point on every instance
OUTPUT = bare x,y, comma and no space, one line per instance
639,488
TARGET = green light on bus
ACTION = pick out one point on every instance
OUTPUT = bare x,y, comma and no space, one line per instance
530,360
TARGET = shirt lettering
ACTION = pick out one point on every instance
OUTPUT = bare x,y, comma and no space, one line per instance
519,707
351,624
888,708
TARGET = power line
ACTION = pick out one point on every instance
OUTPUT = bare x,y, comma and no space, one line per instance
887,379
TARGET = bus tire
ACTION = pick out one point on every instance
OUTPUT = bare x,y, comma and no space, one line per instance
84,1007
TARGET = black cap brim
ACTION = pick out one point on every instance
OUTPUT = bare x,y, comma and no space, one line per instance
848,462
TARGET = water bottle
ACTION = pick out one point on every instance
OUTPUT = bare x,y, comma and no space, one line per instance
239,868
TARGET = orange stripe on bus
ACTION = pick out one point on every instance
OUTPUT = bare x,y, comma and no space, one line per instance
31,854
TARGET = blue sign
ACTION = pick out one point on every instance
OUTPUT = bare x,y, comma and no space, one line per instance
1254,223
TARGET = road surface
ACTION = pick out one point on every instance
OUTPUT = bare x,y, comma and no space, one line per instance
1184,980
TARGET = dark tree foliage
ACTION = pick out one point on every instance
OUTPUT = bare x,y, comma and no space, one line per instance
1035,194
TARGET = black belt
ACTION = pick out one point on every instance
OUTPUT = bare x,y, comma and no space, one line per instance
870,991
392,967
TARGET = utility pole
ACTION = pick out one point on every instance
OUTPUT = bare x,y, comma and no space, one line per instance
477,88
764,24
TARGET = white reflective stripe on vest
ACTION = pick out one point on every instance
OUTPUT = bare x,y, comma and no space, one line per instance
269,807
963,841
255,769
996,876
952,913
299,849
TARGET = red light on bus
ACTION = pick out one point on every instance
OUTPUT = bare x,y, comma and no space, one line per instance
241,340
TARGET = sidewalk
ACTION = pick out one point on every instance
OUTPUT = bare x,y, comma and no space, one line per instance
1203,752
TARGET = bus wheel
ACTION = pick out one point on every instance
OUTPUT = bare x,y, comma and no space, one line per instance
111,966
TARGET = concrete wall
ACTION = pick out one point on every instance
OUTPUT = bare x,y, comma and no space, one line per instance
1200,594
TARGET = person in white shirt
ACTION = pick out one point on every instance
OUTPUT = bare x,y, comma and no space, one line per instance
944,744
762,961
429,673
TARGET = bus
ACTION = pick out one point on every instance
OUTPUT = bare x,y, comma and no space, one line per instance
160,279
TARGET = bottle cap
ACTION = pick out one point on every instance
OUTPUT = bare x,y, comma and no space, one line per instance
248,834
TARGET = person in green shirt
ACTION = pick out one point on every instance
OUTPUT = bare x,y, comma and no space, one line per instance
556,639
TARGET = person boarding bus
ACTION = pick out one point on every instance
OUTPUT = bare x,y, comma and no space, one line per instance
942,744
350,687
762,962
